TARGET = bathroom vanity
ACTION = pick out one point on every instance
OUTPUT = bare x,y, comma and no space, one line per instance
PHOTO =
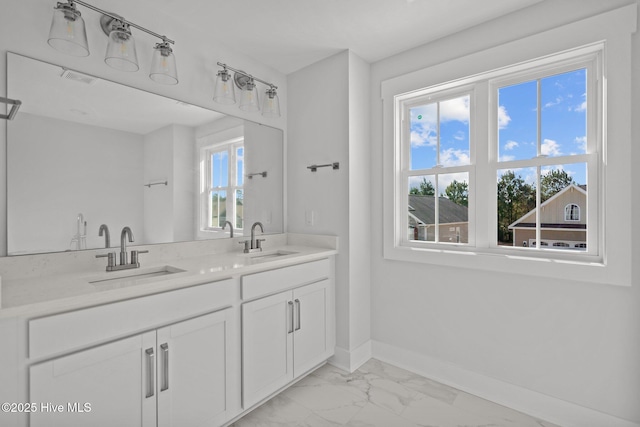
198,336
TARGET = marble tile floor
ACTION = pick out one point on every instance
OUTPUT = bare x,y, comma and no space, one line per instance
380,395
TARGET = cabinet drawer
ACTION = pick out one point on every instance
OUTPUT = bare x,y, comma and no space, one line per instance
267,282
81,328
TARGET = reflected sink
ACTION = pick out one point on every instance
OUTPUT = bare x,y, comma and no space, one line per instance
134,276
267,256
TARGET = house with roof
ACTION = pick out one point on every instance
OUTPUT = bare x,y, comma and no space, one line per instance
563,221
453,219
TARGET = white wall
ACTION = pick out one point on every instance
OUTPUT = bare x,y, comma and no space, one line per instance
45,157
25,28
572,341
328,122
263,199
158,199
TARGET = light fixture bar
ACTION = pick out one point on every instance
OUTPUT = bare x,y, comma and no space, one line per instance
119,18
220,64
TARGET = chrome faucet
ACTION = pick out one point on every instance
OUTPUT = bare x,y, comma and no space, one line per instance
123,244
111,256
230,227
107,237
253,245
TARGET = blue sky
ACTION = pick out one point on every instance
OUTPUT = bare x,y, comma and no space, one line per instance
563,126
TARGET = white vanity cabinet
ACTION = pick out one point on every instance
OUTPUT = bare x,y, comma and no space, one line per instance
180,369
286,334
175,375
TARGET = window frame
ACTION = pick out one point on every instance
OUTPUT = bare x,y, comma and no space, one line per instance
417,99
484,150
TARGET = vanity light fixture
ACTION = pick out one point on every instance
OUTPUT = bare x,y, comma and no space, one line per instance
246,83
68,35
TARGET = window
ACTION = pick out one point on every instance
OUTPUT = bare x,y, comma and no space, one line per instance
572,212
222,169
515,180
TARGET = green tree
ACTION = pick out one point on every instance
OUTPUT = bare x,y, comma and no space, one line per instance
515,198
553,182
426,188
458,192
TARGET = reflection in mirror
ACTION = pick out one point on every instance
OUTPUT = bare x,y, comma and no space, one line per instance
83,152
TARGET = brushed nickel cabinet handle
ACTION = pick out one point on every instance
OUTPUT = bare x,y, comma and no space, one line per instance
165,366
290,303
150,369
298,310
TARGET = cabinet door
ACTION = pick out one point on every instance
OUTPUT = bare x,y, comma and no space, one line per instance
311,337
117,380
267,352
193,371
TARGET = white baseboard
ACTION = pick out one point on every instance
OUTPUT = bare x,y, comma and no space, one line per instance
351,360
536,404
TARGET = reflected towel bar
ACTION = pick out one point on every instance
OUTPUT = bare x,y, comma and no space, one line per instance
334,165
156,183
262,174
14,109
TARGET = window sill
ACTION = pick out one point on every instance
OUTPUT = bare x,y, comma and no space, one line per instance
587,269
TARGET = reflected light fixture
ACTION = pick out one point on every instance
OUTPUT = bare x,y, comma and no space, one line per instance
68,35
249,99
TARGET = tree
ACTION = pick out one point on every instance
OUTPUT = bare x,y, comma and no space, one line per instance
426,189
553,182
458,192
515,198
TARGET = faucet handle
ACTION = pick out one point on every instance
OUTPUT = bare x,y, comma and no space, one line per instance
247,246
134,256
111,259
259,243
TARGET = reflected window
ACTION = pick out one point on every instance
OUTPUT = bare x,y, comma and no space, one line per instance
222,177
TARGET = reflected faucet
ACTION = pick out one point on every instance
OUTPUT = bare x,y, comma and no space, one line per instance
123,244
107,237
230,227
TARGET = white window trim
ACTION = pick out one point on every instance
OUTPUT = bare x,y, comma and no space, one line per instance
611,29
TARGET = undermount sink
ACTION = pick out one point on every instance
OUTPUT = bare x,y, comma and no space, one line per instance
134,276
267,256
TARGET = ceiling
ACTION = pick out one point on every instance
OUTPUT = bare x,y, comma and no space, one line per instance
291,34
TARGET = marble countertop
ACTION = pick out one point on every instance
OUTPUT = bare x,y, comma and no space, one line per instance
63,291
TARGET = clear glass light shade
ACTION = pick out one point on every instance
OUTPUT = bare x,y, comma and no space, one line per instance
249,98
163,65
121,50
68,33
224,92
271,104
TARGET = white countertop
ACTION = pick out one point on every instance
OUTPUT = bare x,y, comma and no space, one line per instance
63,291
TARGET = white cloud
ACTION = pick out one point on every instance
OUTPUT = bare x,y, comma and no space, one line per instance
581,141
550,148
425,138
455,109
506,158
510,145
557,101
503,117
453,157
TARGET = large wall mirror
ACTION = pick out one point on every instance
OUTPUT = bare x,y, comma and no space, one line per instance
84,151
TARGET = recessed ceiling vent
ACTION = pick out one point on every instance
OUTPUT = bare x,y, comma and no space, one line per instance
78,77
